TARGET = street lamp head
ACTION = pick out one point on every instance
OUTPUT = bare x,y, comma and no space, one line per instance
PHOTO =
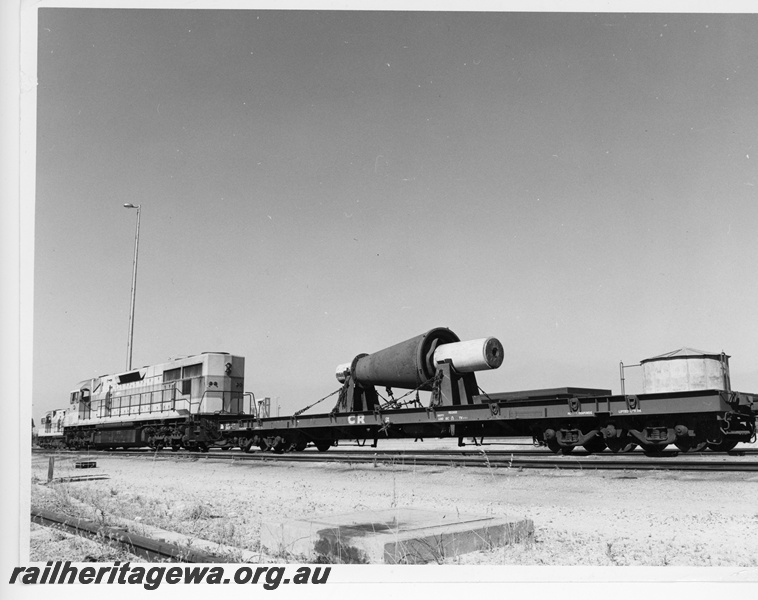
130,205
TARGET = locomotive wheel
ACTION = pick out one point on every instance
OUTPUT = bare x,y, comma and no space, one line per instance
595,445
202,447
300,445
722,446
246,445
175,447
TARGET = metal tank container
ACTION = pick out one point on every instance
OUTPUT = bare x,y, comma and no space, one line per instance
685,370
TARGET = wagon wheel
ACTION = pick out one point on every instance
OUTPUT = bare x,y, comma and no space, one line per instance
620,444
278,445
722,446
654,450
595,445
557,448
175,446
323,445
690,445
684,445
300,445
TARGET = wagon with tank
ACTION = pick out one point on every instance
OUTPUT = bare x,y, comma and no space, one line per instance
693,409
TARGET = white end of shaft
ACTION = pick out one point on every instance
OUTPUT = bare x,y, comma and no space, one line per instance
472,355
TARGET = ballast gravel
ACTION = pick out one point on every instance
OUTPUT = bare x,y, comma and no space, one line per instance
581,517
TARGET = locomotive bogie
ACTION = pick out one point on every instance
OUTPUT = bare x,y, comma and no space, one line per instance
192,433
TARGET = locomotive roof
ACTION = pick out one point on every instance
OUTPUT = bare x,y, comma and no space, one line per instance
88,382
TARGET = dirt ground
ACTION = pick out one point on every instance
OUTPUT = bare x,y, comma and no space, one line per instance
590,518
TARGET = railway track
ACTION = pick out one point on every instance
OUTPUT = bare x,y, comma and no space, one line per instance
468,450
517,459
152,550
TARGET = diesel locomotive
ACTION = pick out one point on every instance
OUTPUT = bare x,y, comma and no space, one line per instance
177,404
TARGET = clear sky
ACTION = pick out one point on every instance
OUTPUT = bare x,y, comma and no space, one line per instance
319,184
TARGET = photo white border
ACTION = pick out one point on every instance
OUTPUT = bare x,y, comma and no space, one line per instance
17,211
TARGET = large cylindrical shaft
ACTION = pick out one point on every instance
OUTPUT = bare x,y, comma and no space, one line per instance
413,363
409,364
472,355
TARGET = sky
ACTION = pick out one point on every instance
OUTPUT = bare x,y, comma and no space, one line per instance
316,184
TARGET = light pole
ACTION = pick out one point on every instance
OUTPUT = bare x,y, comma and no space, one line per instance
134,290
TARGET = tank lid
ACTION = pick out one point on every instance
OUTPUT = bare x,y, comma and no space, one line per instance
685,353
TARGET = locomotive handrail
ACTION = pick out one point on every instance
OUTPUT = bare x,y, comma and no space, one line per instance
153,406
202,397
126,405
224,394
253,404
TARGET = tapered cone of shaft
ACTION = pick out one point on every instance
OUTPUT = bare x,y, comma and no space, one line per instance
409,364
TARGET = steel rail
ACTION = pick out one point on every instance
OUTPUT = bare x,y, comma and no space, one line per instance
152,550
565,462
587,462
340,450
533,451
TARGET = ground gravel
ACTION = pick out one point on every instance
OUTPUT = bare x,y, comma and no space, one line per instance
590,518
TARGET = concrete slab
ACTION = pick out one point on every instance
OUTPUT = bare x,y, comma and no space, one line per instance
398,535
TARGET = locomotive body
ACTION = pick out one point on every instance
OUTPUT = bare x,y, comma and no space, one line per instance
175,404
50,433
